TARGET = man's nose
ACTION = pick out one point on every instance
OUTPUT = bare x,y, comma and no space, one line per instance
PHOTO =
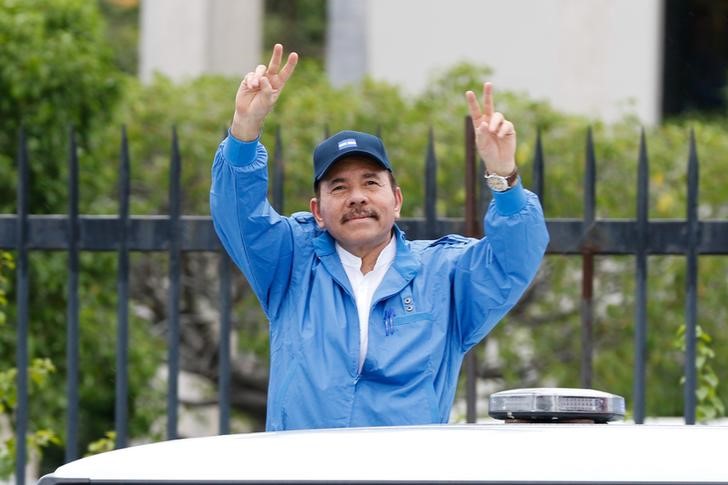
357,197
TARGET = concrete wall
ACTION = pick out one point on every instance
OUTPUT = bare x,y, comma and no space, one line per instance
346,59
590,57
186,38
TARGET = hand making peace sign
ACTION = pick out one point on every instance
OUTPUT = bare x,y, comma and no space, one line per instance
495,136
258,92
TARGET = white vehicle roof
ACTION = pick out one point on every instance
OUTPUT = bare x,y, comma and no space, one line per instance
495,453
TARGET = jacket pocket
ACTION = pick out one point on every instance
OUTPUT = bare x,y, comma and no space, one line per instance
403,352
408,318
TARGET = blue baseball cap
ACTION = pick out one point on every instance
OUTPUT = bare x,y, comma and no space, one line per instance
345,144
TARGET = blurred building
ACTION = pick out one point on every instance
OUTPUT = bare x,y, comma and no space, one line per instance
186,38
600,58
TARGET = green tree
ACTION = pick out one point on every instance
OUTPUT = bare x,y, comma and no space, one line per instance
56,70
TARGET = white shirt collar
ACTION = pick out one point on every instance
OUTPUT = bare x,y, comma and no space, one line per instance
384,259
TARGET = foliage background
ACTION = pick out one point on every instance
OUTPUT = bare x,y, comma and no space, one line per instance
61,64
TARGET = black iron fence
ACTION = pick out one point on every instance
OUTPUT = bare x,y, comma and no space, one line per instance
174,234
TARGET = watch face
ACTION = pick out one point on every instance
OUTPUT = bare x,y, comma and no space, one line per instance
497,183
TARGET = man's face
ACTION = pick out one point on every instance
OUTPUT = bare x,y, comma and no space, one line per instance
357,204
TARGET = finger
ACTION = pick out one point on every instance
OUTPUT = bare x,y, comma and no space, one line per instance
250,81
267,89
481,130
473,106
506,129
253,78
289,67
495,122
488,99
275,59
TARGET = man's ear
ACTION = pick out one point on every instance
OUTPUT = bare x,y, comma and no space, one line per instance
315,210
398,200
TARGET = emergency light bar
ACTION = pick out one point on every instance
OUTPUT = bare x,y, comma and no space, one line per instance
551,404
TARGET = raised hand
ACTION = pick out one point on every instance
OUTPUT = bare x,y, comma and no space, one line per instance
495,136
258,93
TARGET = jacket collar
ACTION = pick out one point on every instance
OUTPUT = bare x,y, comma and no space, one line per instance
405,266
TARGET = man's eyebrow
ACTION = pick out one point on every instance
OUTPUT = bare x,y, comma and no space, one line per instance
365,176
337,180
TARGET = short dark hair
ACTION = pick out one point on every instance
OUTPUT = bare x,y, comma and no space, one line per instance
317,184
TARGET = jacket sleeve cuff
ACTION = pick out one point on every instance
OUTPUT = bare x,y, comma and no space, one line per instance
239,153
511,201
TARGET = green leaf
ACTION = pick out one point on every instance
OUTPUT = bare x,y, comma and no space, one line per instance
40,369
107,443
42,439
710,379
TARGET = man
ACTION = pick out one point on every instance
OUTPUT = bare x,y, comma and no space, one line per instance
366,327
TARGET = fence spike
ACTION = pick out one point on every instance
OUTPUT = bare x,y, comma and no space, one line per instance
431,186
484,194
590,175
642,180
538,169
693,180
278,172
471,227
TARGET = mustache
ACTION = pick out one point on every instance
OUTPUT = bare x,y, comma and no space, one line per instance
359,213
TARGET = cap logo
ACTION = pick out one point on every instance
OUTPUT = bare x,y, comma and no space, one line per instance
348,143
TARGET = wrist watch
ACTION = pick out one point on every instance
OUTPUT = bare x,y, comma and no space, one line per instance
499,183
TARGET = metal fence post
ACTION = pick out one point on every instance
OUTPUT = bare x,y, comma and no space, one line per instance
224,344
21,357
471,229
173,305
72,332
691,281
587,258
121,412
643,191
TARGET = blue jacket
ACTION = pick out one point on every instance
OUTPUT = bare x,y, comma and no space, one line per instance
437,300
